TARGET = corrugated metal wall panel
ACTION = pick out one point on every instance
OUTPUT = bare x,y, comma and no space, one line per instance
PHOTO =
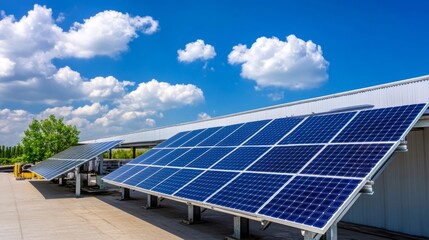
401,199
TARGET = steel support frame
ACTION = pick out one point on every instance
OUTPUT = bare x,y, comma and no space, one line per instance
194,215
125,194
152,201
241,228
78,182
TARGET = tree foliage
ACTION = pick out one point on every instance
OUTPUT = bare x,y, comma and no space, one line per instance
47,137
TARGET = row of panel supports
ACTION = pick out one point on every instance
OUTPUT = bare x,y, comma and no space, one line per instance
241,224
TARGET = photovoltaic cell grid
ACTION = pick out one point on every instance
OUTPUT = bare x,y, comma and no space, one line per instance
298,170
70,158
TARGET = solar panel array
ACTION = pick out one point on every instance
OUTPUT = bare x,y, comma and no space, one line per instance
298,171
70,158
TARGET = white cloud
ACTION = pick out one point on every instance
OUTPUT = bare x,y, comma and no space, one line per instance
107,33
29,45
150,122
6,67
12,125
203,116
277,95
291,64
90,110
161,96
197,50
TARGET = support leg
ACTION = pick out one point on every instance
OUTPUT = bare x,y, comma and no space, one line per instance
61,181
241,228
125,193
152,201
332,234
194,215
78,182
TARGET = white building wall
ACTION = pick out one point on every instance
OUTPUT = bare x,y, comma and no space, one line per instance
401,194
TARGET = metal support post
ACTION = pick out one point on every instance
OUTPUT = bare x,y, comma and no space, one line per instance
125,193
152,201
110,154
241,228
78,182
134,152
194,215
100,159
332,234
310,235
61,181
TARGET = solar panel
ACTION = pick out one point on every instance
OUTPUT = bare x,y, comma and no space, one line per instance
205,185
318,129
219,135
70,158
176,181
380,125
297,171
272,133
310,200
189,156
200,137
243,133
240,158
172,139
287,159
248,191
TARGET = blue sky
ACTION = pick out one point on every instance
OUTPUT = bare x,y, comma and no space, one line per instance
112,67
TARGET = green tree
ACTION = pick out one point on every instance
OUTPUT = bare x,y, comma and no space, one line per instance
47,137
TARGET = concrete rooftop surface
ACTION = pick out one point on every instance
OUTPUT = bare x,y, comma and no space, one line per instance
37,209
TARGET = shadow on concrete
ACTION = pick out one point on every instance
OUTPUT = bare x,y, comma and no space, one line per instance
169,217
51,190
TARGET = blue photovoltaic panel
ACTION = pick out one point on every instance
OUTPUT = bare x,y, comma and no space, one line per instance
240,158
172,139
171,156
274,131
71,158
210,157
118,172
185,138
128,174
307,178
156,178
318,129
189,156
289,159
219,135
355,160
142,175
243,133
310,200
380,125
205,185
176,181
156,156
249,191
144,156
201,137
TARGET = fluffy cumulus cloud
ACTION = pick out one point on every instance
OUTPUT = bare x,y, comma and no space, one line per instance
29,45
98,106
292,64
107,33
197,50
161,96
